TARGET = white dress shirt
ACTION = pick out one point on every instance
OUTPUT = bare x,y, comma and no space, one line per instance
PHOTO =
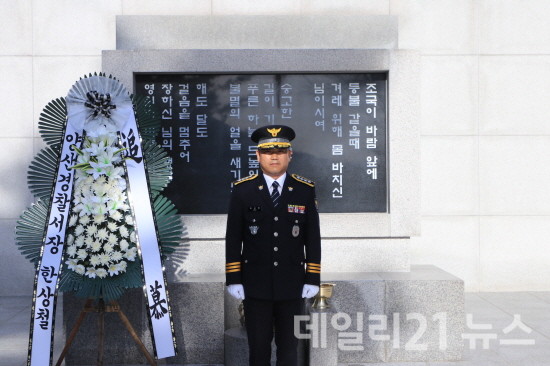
269,181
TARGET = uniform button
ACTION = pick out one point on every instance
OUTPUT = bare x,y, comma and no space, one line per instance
276,218
275,249
246,260
275,234
253,220
275,264
296,221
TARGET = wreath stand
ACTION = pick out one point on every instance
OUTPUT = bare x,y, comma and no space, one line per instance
101,309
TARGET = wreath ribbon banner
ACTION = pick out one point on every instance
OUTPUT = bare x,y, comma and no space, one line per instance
49,267
160,317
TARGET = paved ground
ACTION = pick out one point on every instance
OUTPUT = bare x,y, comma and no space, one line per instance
496,309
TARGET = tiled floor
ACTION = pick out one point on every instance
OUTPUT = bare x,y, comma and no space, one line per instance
495,309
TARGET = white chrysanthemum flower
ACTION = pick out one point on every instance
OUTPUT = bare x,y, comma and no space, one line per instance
113,270
129,219
84,220
101,189
99,219
123,231
71,264
116,216
77,205
116,256
91,230
104,259
100,208
79,183
91,272
123,265
112,226
114,190
71,250
124,245
131,254
120,269
70,239
96,246
108,248
94,260
72,220
133,237
89,240
85,207
98,184
101,273
113,240
117,202
82,254
79,241
79,230
102,234
119,184
89,180
80,269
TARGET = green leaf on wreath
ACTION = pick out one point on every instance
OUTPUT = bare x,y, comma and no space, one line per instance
169,225
147,117
29,231
41,174
159,166
51,123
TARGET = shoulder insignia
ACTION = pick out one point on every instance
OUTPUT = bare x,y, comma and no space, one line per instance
303,180
250,177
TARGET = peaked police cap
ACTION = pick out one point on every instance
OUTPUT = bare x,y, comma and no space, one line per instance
273,136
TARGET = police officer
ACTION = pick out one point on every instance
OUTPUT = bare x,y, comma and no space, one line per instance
273,247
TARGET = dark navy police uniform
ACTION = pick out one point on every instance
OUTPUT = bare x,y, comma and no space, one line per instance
273,252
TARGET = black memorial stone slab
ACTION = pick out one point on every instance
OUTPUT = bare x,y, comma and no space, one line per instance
340,121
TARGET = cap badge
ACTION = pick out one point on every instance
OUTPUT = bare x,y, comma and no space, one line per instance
274,131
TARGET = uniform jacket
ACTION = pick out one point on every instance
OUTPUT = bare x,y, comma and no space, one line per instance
271,251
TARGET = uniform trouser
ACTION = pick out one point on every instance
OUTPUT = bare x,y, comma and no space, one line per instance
261,317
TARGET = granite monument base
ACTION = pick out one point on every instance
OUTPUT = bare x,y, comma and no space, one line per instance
387,317
322,346
381,317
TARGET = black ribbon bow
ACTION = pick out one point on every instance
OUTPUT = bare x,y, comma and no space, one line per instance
99,103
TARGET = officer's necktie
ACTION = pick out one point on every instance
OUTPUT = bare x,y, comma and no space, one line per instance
275,194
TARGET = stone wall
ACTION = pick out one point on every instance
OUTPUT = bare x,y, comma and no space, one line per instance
485,141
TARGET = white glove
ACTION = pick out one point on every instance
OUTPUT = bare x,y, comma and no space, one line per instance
237,291
309,291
